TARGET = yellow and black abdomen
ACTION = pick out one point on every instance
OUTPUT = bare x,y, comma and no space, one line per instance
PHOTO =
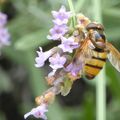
95,64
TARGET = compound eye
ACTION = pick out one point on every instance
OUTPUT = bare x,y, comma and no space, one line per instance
97,36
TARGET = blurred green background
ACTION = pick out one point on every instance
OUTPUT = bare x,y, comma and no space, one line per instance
29,22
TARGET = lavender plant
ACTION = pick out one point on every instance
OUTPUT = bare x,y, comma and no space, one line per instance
64,70
27,33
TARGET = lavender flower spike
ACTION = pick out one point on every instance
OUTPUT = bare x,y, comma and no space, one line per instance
3,19
57,61
62,16
68,44
38,112
42,57
4,37
57,31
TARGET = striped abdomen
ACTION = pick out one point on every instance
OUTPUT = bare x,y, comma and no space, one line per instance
95,64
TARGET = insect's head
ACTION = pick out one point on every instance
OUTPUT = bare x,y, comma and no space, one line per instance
94,26
96,32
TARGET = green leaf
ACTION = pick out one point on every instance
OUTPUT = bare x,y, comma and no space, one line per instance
25,24
15,55
67,87
32,41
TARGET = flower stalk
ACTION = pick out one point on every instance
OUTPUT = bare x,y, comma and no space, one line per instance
73,12
101,79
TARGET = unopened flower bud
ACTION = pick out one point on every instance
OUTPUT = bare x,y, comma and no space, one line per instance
50,80
49,97
39,100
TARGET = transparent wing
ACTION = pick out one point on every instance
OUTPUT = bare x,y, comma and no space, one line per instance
82,54
113,56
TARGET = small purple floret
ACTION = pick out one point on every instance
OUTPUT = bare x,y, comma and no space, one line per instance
57,61
38,112
3,19
4,37
42,57
4,34
57,32
68,44
62,16
74,68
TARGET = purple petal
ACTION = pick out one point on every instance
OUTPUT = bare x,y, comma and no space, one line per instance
74,69
60,22
4,37
57,32
3,19
62,9
57,61
42,57
38,112
68,44
55,14
62,16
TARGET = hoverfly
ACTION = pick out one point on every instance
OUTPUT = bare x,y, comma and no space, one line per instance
94,51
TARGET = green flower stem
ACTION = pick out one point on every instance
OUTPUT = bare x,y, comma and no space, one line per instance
79,4
101,96
101,79
97,10
73,12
